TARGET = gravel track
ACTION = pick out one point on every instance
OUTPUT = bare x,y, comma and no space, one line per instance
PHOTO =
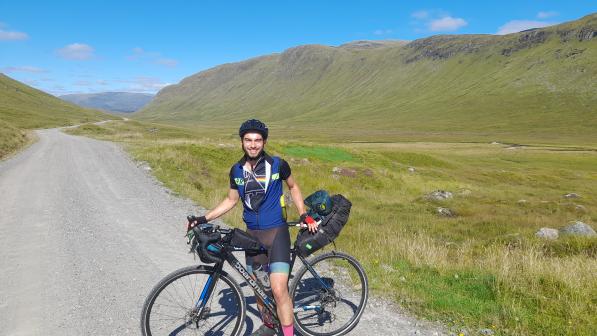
85,234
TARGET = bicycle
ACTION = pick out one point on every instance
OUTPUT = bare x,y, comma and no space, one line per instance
329,292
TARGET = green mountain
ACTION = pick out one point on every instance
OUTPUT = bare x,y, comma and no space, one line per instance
25,107
536,84
124,102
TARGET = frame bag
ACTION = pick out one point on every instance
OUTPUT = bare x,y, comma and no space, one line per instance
242,239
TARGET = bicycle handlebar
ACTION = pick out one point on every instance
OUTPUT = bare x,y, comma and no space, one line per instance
192,218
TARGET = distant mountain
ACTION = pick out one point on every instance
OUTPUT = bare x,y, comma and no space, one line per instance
110,101
539,82
25,107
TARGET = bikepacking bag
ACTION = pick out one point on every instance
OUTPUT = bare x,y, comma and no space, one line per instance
206,246
241,239
329,228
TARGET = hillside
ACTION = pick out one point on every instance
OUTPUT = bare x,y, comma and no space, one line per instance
26,107
533,84
110,101
23,107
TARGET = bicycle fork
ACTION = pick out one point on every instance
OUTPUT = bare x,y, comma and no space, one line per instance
208,288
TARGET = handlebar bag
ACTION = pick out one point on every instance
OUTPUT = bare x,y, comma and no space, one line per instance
208,252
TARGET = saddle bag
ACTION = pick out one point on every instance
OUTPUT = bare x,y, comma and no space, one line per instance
329,228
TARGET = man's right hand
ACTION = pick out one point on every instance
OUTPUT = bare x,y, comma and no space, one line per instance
194,221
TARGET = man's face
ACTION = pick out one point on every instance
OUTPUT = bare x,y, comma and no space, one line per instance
253,144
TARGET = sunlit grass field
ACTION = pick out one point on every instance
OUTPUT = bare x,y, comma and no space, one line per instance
483,268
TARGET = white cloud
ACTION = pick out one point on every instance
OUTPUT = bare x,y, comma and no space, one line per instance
547,14
446,23
26,68
515,26
167,62
140,54
6,35
76,51
436,20
143,84
420,15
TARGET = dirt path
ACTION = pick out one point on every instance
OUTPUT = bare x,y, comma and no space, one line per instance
85,234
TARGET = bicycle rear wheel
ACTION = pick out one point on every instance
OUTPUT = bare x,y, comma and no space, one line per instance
330,300
175,305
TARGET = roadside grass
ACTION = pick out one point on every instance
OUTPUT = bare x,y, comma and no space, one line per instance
12,139
481,269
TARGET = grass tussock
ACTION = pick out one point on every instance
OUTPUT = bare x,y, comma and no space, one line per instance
482,268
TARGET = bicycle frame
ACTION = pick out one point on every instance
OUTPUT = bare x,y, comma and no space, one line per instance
258,289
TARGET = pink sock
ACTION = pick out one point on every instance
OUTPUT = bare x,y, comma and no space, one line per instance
288,330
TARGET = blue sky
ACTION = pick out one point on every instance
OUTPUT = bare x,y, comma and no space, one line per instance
140,46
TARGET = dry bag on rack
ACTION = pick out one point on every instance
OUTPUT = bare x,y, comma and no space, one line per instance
329,228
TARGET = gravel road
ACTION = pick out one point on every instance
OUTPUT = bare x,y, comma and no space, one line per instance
84,235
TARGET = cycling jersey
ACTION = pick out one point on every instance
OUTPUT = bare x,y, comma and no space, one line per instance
261,189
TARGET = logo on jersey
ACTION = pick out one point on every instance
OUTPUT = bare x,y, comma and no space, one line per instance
239,181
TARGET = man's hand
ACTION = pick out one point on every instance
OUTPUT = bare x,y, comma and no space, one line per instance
194,221
311,223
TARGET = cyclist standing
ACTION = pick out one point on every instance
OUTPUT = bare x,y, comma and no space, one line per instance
257,180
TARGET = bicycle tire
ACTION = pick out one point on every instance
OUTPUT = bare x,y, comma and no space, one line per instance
340,308
170,307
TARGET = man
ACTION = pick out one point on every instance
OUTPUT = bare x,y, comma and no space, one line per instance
257,180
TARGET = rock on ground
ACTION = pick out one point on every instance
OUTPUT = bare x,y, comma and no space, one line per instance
439,195
548,233
446,212
579,229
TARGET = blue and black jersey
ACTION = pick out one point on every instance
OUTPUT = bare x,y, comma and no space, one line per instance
261,190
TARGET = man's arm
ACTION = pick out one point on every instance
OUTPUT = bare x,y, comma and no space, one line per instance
297,199
228,203
295,193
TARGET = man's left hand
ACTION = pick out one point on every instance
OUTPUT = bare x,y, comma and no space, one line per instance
311,223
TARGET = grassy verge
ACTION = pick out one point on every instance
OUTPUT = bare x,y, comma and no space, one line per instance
480,269
12,139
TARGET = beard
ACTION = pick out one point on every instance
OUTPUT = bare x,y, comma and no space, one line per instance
252,157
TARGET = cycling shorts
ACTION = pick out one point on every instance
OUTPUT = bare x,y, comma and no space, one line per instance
277,242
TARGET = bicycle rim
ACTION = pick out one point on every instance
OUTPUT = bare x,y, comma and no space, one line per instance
332,302
173,306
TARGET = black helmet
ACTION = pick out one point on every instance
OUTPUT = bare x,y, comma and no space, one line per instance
255,126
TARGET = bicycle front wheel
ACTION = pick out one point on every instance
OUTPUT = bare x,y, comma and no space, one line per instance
330,298
178,305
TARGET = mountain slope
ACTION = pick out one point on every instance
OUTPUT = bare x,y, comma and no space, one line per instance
530,83
26,107
23,107
110,101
